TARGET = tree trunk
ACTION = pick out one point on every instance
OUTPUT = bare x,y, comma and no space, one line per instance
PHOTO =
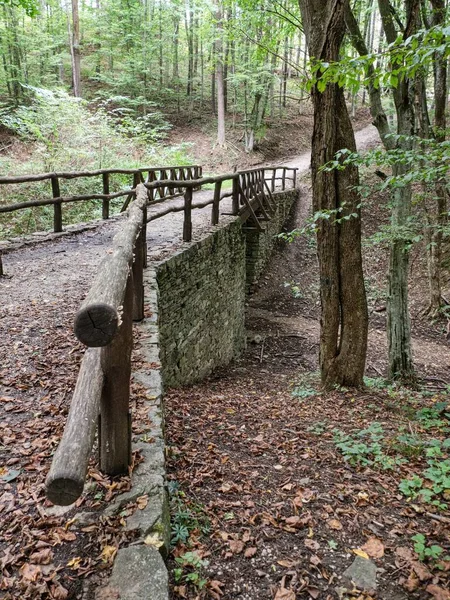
75,50
440,123
344,319
398,321
220,83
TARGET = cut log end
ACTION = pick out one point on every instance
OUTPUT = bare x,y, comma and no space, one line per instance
96,325
63,491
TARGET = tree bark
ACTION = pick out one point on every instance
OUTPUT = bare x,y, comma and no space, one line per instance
344,319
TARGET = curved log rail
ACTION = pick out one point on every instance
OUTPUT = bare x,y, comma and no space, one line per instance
251,194
104,321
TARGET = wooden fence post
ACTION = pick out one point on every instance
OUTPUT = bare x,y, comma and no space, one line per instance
216,202
57,208
1,266
105,204
144,235
235,196
294,178
187,225
274,174
115,420
283,179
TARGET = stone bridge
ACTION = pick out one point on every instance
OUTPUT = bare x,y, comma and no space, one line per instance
195,296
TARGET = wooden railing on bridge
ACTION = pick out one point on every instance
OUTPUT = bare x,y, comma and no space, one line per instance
183,173
104,322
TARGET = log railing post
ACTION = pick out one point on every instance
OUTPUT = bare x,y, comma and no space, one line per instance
216,202
138,277
105,204
235,196
187,226
151,191
274,174
283,179
57,207
115,420
294,178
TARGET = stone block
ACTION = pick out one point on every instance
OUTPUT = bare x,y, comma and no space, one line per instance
139,573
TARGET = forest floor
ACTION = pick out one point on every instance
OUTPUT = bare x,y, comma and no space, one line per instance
261,490
278,488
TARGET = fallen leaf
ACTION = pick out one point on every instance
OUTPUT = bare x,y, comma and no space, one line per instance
360,553
311,544
404,553
284,594
43,557
249,552
30,572
421,570
334,524
313,592
108,554
373,547
153,539
412,583
286,563
74,563
8,475
315,560
438,592
142,502
225,487
214,588
236,546
58,592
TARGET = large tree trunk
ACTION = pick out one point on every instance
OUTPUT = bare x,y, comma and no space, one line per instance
344,320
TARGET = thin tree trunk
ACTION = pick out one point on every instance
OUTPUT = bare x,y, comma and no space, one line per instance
398,321
219,77
75,50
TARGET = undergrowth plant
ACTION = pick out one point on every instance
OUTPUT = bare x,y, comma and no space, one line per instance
186,518
426,551
366,448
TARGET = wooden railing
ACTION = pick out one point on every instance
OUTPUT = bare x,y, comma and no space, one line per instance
104,322
104,325
184,173
251,193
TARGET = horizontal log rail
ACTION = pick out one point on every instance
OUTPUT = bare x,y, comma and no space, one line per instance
104,321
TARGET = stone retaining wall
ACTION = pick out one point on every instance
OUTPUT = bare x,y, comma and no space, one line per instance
201,295
259,246
201,306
